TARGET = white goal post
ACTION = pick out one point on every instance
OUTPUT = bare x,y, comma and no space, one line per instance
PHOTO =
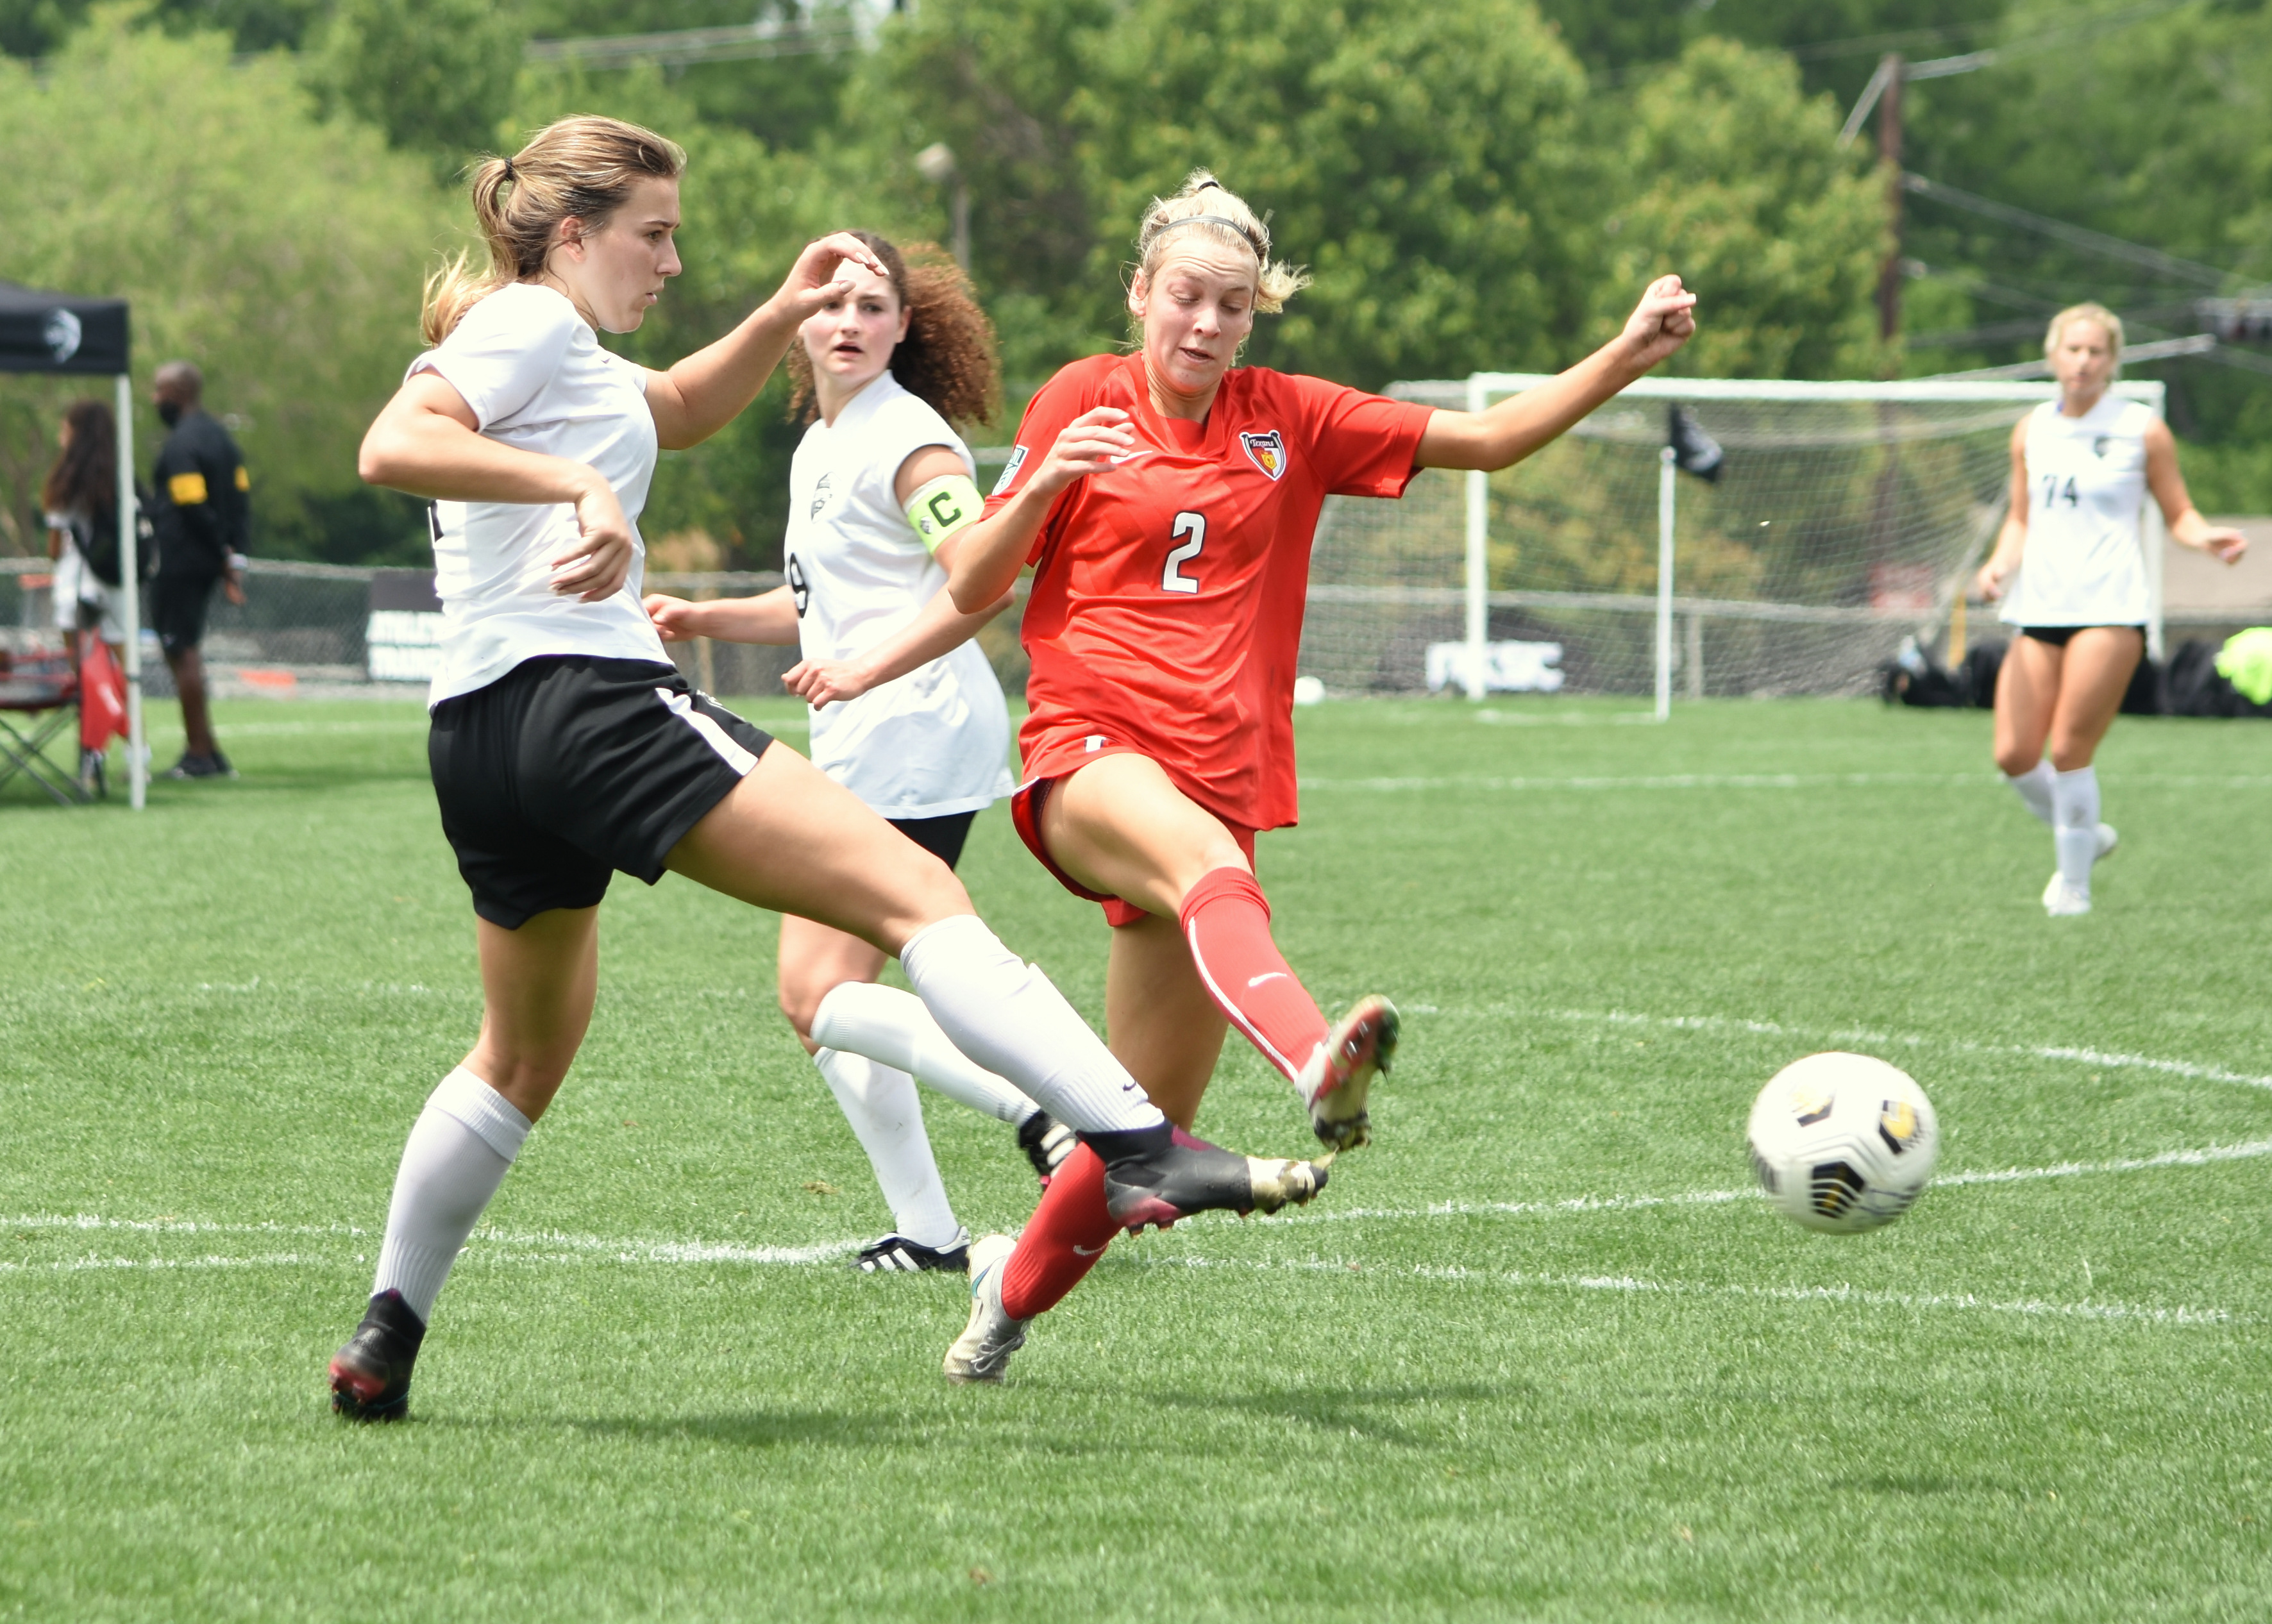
1850,519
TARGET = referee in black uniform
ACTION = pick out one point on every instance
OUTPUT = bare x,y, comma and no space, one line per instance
200,514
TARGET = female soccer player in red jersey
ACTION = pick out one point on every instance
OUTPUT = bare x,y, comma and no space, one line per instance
1167,501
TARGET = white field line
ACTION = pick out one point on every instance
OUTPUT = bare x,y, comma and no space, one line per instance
1758,780
2205,1157
1959,1300
2074,1055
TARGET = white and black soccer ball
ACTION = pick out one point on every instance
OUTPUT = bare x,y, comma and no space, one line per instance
1843,1143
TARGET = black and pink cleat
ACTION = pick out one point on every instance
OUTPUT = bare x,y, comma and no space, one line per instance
370,1375
1154,1176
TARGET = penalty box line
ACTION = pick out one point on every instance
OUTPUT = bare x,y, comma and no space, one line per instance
1757,780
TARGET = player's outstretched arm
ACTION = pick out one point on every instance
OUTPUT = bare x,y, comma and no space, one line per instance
939,628
768,617
425,442
1516,426
709,389
991,552
2188,527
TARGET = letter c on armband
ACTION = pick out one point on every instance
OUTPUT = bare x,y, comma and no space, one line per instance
943,506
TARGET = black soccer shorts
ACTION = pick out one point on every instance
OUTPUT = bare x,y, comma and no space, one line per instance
570,767
178,607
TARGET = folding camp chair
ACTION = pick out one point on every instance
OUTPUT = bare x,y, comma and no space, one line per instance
39,704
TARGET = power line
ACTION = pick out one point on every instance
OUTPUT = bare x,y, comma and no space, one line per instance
2075,237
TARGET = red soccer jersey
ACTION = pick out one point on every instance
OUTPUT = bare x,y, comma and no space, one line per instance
1166,615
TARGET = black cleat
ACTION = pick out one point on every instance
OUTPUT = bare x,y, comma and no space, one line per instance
1046,1143
213,766
1157,1175
370,1375
898,1255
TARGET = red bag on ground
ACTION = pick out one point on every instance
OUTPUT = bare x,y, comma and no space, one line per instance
101,697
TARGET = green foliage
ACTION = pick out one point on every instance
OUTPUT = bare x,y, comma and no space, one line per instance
1728,174
281,254
1421,159
431,74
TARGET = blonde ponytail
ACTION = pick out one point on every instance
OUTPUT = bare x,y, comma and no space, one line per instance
582,168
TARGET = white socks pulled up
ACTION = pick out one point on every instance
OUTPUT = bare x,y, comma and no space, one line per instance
1005,1015
2075,825
2034,788
889,1025
880,1103
460,1151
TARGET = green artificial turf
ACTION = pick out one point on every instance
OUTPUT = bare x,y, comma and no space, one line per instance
1500,1370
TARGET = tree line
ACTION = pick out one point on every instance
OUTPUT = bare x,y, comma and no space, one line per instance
1473,183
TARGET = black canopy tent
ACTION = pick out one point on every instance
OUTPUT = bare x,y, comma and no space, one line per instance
64,334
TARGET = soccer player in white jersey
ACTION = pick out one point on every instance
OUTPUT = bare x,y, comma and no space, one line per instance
566,746
2071,572
907,714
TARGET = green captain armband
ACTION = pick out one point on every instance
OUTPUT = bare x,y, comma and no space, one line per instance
944,506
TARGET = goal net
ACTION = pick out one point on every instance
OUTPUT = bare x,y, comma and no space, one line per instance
1844,519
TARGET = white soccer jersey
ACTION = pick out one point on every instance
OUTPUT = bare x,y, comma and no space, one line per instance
936,740
535,376
2083,564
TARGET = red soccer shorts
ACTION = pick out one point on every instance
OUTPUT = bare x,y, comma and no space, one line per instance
1025,812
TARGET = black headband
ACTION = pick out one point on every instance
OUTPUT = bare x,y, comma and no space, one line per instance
1245,234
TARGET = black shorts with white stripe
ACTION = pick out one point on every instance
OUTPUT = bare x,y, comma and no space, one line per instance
570,767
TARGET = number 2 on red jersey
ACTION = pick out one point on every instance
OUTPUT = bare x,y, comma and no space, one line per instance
1172,580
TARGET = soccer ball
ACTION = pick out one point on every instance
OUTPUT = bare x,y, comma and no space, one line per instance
1842,1143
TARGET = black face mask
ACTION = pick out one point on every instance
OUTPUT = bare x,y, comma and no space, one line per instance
169,413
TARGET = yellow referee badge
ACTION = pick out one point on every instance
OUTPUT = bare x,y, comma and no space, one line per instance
943,506
187,490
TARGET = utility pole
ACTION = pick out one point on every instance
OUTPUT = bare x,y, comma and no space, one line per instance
1890,70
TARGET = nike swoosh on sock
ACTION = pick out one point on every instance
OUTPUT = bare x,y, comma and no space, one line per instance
1273,975
1091,1251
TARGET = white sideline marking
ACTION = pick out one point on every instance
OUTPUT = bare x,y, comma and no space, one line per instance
1774,1029
2031,1307
587,1249
2201,1158
1763,780
543,1246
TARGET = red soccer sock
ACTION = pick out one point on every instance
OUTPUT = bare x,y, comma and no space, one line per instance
1226,921
1063,1239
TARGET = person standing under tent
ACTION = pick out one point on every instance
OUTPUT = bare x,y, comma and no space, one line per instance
907,714
79,500
565,745
2070,569
1167,501
200,510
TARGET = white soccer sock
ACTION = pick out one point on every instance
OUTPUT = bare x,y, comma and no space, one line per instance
880,1103
460,1148
2034,787
889,1025
1007,1016
2074,799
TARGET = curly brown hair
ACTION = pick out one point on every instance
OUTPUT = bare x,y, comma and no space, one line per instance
947,358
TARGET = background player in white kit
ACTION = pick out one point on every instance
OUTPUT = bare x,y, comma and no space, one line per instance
907,714
2071,571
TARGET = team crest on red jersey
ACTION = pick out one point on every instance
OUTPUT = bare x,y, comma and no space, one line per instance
1266,451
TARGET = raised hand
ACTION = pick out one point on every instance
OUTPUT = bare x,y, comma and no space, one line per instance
812,281
601,561
1092,443
1661,322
